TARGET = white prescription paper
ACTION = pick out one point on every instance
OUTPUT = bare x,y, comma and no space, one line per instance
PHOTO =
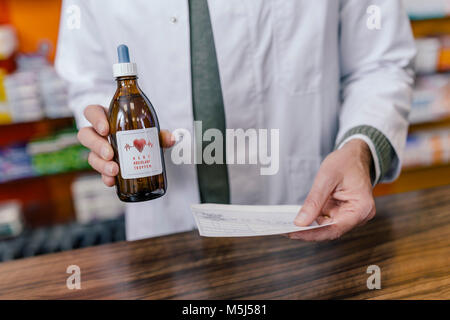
221,220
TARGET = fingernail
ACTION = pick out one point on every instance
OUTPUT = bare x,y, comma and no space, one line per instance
101,126
110,168
105,152
301,218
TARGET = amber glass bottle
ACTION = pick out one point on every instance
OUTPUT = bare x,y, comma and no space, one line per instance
134,136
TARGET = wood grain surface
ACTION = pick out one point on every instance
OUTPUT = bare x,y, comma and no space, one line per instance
409,240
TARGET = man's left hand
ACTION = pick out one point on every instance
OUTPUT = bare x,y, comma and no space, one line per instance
341,193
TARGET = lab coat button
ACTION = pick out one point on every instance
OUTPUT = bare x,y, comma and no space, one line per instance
173,19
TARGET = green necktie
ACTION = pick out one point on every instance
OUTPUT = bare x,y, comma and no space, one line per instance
207,100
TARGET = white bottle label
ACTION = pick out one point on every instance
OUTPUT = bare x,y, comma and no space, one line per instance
139,153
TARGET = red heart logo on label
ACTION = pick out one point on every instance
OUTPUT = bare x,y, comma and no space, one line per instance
139,144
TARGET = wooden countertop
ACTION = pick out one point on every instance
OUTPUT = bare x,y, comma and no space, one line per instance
409,240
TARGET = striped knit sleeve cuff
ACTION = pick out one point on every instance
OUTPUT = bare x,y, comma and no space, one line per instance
382,151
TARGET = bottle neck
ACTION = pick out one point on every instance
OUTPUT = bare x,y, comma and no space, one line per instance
126,82
127,85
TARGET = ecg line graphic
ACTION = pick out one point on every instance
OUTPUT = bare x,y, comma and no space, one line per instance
128,147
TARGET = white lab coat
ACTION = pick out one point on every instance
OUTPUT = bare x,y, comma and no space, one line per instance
312,69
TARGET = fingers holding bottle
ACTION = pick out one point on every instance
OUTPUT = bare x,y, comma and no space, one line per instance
94,138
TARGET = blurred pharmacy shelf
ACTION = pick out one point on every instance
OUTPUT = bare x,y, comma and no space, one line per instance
416,179
44,240
427,152
24,131
426,161
60,198
46,200
43,168
39,162
439,123
427,9
431,99
31,150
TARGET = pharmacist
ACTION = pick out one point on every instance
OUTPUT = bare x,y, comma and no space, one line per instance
333,76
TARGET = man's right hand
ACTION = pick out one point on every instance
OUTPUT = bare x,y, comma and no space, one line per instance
95,139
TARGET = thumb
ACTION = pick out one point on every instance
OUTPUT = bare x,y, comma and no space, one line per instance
167,139
315,201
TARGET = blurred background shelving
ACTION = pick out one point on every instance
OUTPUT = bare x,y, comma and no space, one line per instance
46,185
427,153
47,189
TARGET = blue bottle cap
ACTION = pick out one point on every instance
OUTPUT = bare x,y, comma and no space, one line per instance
124,67
123,53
